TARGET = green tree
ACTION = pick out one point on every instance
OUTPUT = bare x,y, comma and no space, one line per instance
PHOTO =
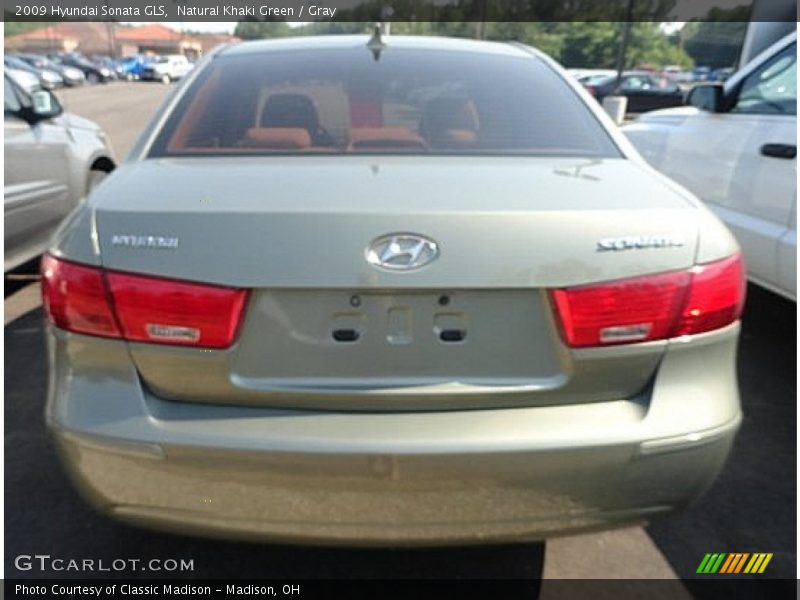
573,44
590,45
254,30
650,45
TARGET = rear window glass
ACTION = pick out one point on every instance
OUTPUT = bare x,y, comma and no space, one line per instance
408,101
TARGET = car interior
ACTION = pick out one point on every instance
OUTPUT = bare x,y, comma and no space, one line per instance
331,107
290,121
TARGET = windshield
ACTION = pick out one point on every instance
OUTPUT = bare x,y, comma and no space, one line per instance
409,101
16,63
78,62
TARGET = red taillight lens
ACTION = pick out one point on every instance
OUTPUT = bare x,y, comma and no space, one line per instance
75,298
630,310
137,308
175,312
652,307
716,297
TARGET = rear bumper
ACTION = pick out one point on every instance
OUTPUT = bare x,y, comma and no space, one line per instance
388,499
390,478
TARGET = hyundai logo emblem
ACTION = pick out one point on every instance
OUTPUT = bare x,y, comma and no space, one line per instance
402,251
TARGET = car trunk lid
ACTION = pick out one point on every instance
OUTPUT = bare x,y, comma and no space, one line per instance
324,328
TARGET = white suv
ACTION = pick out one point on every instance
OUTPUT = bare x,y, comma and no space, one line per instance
735,147
167,68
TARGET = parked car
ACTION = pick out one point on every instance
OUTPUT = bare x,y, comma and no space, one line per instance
70,75
701,73
677,74
105,62
417,291
643,90
132,67
721,74
92,72
585,74
52,160
47,79
166,68
592,79
735,147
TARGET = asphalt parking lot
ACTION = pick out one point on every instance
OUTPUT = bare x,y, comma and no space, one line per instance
121,109
751,508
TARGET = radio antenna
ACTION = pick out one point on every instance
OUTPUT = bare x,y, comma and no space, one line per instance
376,44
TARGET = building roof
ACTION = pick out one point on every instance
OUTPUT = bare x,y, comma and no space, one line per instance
88,36
45,33
93,36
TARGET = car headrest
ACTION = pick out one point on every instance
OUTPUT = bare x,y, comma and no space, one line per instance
443,115
290,110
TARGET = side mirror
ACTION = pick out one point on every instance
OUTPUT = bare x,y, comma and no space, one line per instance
44,105
706,96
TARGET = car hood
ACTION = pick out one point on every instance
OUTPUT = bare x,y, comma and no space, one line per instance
27,80
73,121
72,72
677,114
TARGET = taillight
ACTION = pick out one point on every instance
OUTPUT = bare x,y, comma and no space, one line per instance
140,308
653,307
716,297
75,298
176,312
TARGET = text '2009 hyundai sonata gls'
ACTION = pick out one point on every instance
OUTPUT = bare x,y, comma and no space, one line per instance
418,291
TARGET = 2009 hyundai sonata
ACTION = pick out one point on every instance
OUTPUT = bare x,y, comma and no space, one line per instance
418,291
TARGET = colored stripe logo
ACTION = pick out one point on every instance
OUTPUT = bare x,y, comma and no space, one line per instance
734,562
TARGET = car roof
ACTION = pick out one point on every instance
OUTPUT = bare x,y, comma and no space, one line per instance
330,42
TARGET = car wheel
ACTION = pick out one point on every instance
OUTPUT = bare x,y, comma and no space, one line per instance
165,79
92,78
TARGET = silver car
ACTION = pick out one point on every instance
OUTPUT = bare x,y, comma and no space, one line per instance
52,160
390,291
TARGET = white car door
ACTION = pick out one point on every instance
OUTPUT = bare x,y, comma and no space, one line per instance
763,191
743,164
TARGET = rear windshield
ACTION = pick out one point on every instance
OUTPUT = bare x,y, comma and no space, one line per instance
408,101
